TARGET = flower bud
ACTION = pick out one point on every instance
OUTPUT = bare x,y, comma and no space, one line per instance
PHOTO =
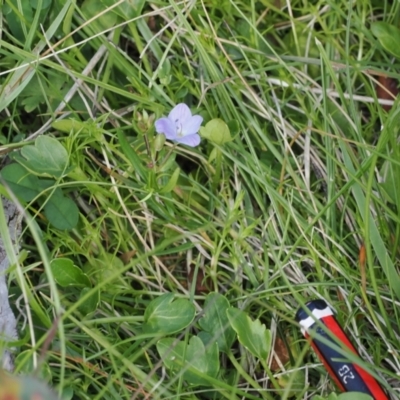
158,142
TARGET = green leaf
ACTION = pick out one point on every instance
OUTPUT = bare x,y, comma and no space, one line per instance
206,337
216,131
46,184
62,212
253,335
67,274
234,127
181,93
170,185
91,8
70,125
32,96
354,396
90,304
31,103
388,36
216,322
67,393
23,184
18,20
194,359
46,158
102,268
164,315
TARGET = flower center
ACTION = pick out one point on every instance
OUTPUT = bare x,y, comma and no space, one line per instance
179,128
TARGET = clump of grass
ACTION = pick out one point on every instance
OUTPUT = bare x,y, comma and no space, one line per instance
270,219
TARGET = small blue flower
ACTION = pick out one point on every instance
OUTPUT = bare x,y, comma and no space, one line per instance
180,126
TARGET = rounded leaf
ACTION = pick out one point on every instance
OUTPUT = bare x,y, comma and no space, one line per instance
216,322
234,127
164,315
388,36
194,358
252,334
67,274
70,125
62,212
47,157
216,131
92,8
23,184
89,304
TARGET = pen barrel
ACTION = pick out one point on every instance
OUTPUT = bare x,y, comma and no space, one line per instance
349,376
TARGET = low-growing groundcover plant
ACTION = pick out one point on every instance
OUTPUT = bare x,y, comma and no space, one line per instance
189,174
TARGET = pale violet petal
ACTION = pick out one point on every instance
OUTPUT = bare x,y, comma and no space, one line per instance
180,113
192,125
167,127
190,140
